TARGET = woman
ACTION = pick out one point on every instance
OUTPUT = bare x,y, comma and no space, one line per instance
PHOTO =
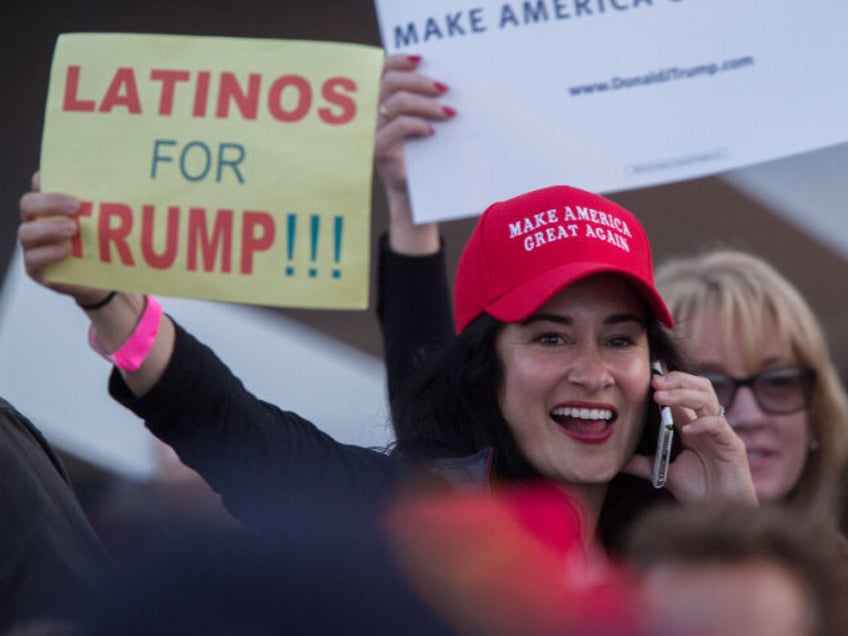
795,455
756,338
551,372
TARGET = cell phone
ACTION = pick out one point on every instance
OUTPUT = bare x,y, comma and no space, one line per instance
665,437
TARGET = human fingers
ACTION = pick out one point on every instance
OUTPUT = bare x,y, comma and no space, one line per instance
399,83
44,241
45,228
43,236
399,73
711,433
687,393
38,258
400,62
697,413
38,205
44,231
410,82
409,104
718,456
718,453
389,139
409,116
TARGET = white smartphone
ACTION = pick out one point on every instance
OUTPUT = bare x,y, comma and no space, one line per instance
664,439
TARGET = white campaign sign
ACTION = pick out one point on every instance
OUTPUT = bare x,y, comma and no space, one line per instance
612,95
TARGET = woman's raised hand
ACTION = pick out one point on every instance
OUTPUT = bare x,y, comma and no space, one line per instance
713,463
409,105
44,235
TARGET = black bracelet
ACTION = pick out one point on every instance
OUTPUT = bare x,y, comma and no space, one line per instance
99,303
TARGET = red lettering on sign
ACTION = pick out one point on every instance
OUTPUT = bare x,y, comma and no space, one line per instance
76,241
303,97
290,98
251,241
71,102
330,92
230,90
118,234
172,230
123,91
201,94
169,79
221,240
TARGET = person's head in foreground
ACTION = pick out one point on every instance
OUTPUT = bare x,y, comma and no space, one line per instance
558,322
737,570
753,334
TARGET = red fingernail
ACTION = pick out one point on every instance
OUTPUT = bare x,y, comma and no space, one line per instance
448,111
414,58
442,88
431,130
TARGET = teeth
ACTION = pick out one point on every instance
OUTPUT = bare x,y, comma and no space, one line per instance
755,455
583,414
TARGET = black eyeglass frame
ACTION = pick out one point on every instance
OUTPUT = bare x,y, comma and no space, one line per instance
806,374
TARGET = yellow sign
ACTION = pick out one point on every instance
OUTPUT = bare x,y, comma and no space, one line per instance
219,168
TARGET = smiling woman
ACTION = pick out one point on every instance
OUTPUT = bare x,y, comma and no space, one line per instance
549,341
759,342
550,374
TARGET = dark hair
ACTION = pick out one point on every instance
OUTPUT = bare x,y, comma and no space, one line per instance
450,408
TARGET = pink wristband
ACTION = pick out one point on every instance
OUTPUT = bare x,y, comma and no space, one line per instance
132,353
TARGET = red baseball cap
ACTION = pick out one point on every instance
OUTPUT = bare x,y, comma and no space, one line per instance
525,250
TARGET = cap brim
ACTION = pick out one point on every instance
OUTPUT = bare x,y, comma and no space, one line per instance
523,301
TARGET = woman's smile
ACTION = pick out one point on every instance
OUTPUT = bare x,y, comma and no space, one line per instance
587,423
576,379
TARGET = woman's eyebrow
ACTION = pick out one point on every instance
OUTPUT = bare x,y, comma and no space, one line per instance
563,320
624,317
612,319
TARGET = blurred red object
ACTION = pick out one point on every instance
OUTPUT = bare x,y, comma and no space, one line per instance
512,560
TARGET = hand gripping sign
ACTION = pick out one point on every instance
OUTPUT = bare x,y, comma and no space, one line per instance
219,168
612,95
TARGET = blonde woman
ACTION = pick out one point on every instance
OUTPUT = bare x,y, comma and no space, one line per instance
752,333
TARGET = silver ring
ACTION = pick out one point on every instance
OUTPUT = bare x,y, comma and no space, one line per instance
384,111
721,411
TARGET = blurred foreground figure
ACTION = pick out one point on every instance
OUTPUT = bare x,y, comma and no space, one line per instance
516,560
436,562
326,570
724,570
50,557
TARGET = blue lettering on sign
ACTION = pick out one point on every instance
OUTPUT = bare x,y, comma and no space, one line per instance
196,159
454,27
432,29
531,14
405,38
457,24
507,15
517,13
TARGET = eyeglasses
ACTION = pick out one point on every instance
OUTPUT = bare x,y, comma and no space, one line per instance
776,391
